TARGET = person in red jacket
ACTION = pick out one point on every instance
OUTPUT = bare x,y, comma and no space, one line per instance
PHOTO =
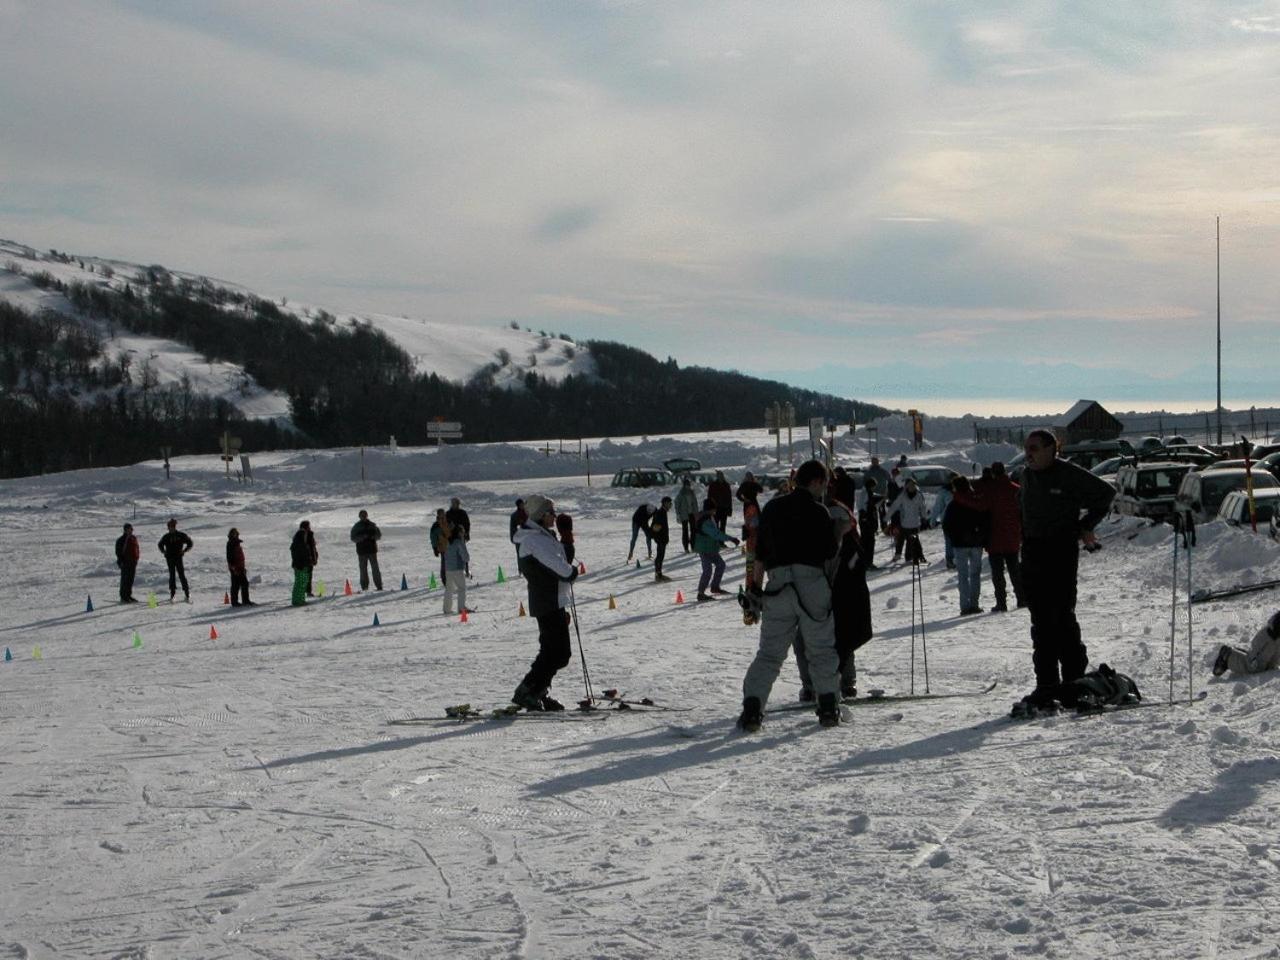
128,553
239,575
720,493
1001,495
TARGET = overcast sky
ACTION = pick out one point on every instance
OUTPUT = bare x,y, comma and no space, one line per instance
926,202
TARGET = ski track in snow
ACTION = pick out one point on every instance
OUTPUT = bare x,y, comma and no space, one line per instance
245,797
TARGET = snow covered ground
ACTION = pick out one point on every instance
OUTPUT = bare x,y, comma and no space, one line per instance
245,796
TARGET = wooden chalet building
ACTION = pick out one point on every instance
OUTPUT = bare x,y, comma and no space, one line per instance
1087,420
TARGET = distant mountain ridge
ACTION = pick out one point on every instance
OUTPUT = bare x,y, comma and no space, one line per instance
103,361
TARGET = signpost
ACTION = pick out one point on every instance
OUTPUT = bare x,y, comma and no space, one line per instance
776,417
230,449
244,466
441,430
164,452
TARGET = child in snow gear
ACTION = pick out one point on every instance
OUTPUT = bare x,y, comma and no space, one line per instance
660,531
686,509
313,554
1054,492
174,545
456,559
868,503
795,542
908,508
128,553
365,535
639,525
706,543
1263,653
300,561
518,517
548,575
564,527
753,581
239,573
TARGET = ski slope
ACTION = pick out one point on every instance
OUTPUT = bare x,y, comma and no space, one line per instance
246,797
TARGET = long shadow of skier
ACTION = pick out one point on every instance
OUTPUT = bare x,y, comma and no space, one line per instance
381,746
1234,790
948,743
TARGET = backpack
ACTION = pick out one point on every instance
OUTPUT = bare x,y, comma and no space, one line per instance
1100,688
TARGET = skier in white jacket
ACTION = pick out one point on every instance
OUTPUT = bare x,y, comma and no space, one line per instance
911,511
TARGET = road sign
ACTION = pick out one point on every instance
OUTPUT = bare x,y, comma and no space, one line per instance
817,427
443,426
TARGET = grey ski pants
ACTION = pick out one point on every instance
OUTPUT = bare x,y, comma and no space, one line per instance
1263,654
797,610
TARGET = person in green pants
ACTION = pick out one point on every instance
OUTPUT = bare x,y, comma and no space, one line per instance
300,557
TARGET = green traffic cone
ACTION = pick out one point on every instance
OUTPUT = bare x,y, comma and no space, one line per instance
152,602
319,588
137,640
431,584
502,577
36,654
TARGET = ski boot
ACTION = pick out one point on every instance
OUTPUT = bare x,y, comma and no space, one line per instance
1038,703
828,710
752,716
550,704
805,696
1223,662
526,699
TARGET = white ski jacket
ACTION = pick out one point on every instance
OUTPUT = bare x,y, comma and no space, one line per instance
911,510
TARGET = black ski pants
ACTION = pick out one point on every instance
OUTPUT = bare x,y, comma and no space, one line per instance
239,589
659,556
176,573
127,573
1049,568
686,534
999,561
554,651
868,522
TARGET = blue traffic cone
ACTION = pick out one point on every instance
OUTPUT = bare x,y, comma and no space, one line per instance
88,604
404,582
376,623
8,655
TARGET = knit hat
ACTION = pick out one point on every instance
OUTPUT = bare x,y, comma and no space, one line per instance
537,506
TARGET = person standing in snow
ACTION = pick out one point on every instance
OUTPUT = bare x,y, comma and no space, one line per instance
174,546
238,570
548,576
707,543
518,517
1001,495
660,531
1054,495
965,524
749,488
754,575
564,527
686,508
881,476
796,541
128,553
313,555
300,561
720,493
936,513
439,537
456,558
850,605
909,510
459,519
639,525
365,535
868,507
1263,653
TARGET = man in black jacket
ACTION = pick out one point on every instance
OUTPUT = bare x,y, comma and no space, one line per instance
459,519
795,541
365,535
660,531
1053,496
547,575
300,549
174,545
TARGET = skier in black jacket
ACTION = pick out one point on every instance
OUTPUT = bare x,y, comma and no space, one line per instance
548,576
1053,496
174,545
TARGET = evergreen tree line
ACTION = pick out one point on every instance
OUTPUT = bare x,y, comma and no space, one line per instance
346,384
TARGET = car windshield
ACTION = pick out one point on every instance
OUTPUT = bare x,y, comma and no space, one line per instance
931,477
1107,467
1213,490
1161,483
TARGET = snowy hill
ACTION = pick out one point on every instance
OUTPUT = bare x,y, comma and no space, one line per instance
452,351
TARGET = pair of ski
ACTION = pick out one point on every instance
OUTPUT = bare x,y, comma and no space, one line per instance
878,697
585,710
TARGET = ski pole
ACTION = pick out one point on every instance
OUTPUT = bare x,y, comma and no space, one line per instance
586,675
913,634
924,644
1191,535
1173,603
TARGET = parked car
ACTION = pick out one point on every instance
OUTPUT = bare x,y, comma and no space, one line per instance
1149,444
1189,453
1090,453
928,477
642,477
1235,506
1261,450
1176,440
1271,463
677,466
1108,469
1148,489
1201,492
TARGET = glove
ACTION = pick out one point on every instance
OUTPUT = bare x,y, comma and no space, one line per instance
573,574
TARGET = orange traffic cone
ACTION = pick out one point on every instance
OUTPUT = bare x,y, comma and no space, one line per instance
213,632
346,591
679,597
463,618
522,613
613,604
226,598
